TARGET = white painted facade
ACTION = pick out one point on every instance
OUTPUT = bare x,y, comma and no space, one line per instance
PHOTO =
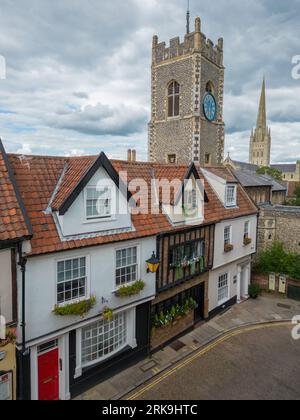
41,297
41,282
6,305
236,264
75,221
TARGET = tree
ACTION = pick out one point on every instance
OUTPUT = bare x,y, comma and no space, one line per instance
297,193
274,173
277,260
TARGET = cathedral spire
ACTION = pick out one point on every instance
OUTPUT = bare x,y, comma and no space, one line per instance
260,139
262,113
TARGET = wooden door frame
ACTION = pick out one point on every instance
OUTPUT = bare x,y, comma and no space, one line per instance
62,374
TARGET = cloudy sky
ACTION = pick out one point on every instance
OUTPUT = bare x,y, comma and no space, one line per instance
78,71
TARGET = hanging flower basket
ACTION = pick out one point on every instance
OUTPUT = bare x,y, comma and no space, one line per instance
10,338
108,314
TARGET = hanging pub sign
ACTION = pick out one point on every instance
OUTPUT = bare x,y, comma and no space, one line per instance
272,282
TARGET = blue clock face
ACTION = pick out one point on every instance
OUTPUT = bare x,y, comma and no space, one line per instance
209,107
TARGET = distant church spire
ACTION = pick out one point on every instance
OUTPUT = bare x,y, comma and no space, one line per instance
262,112
188,18
260,140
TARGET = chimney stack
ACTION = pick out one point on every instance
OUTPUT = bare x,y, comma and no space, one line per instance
133,155
129,155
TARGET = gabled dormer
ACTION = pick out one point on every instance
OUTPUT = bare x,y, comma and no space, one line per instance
186,203
91,199
224,185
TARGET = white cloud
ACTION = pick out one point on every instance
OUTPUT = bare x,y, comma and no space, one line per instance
78,73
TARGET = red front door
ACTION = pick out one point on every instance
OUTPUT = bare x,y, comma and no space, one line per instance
48,368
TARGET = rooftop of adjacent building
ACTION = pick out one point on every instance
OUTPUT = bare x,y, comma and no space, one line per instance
41,180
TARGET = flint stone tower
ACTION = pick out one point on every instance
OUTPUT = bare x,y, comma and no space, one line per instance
260,140
187,100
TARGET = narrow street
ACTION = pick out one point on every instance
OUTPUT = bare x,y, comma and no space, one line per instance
262,364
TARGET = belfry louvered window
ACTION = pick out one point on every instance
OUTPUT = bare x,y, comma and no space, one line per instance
173,99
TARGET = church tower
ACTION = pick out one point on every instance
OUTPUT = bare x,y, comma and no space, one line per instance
260,140
187,100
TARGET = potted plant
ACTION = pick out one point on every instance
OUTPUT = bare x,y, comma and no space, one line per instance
254,291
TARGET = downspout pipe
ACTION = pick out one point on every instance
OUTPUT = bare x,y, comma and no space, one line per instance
22,264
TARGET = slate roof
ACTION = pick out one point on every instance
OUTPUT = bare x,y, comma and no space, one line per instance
44,180
245,166
14,224
286,168
250,179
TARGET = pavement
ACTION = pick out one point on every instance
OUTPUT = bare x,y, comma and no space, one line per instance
256,363
268,308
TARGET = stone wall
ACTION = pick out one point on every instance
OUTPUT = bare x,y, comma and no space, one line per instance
279,223
190,136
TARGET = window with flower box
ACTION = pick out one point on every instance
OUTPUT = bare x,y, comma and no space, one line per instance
71,280
188,259
126,266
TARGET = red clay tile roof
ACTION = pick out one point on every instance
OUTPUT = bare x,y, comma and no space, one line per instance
219,171
38,178
13,223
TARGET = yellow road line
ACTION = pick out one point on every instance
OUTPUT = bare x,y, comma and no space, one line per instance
201,353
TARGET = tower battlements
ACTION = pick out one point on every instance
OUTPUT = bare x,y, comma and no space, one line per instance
193,42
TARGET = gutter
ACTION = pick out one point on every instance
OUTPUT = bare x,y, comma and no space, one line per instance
22,264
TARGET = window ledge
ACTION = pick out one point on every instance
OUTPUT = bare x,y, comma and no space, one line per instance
99,220
71,302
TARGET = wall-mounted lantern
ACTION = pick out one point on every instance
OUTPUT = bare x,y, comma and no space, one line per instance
153,264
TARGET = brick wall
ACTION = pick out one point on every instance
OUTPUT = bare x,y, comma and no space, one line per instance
263,281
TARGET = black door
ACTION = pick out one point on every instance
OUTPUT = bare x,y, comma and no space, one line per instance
198,295
294,292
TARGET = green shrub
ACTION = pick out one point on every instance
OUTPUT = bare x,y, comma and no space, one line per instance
254,291
277,260
76,309
134,289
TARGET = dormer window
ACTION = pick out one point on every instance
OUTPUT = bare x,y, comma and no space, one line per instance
230,196
191,199
98,203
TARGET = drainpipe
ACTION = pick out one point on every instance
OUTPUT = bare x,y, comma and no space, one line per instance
22,264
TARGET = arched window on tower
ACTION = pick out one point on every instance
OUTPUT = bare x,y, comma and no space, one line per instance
173,99
210,87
